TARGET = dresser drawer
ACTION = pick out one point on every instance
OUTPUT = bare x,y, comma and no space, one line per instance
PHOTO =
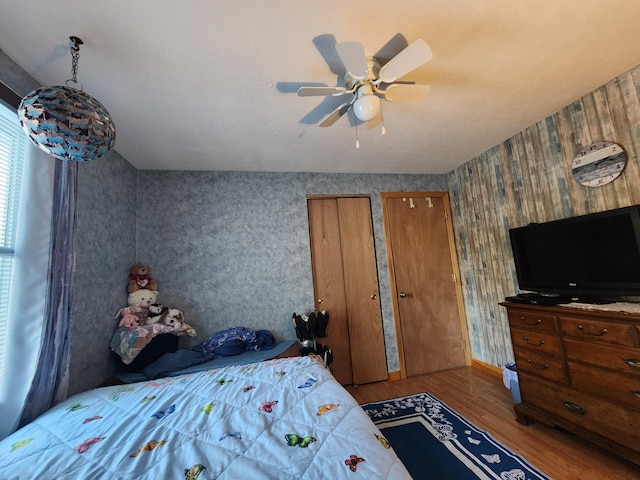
540,342
615,422
605,383
526,319
543,365
621,359
599,330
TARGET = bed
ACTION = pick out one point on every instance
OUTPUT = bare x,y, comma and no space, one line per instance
278,419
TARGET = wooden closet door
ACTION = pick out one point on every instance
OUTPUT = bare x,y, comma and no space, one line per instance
345,282
361,285
427,301
328,282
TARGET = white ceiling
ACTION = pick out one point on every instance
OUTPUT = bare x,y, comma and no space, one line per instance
210,84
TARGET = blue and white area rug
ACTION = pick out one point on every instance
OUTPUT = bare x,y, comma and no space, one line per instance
435,442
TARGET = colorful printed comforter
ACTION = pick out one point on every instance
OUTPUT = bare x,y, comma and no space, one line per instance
280,419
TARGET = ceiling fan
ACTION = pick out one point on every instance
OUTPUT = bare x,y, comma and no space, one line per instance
369,81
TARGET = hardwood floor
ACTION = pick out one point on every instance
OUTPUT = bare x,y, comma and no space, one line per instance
479,395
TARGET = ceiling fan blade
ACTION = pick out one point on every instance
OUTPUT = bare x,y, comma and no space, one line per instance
405,93
320,91
353,58
335,115
416,54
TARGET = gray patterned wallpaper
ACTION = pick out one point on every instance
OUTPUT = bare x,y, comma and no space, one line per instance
105,249
232,248
14,77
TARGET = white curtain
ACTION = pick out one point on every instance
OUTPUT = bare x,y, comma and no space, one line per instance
51,382
28,286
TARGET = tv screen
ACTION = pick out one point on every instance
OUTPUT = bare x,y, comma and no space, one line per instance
590,255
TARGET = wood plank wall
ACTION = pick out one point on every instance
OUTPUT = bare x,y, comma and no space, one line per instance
528,179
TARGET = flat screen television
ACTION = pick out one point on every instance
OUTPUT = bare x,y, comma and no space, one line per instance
590,257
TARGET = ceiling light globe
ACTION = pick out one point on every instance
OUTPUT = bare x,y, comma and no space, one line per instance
367,107
67,123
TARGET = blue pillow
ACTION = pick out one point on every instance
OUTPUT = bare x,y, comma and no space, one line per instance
230,348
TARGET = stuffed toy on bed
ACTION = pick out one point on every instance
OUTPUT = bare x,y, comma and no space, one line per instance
154,312
143,299
129,317
140,279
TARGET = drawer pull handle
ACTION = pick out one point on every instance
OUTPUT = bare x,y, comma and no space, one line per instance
538,366
635,393
524,320
632,362
597,334
574,408
539,344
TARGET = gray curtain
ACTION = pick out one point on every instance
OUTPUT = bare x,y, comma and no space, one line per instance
51,382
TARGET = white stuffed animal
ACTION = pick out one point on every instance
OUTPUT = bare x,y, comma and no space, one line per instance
142,298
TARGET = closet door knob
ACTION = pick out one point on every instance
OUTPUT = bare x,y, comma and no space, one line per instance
374,296
402,295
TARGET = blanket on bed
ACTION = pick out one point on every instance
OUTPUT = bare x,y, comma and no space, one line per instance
128,342
279,419
235,340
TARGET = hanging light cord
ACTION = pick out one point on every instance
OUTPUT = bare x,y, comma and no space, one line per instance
75,56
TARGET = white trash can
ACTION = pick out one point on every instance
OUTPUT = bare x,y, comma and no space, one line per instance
510,380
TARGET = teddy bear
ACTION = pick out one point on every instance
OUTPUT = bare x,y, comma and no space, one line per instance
139,278
142,299
129,317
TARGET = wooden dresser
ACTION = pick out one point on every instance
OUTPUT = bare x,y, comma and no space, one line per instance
580,370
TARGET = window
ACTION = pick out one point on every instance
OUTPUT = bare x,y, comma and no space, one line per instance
26,201
13,144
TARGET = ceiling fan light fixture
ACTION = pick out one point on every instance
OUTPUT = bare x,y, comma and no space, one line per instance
369,82
367,106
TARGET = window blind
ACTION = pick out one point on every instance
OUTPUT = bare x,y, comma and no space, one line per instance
13,145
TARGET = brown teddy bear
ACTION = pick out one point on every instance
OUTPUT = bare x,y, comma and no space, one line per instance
139,278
